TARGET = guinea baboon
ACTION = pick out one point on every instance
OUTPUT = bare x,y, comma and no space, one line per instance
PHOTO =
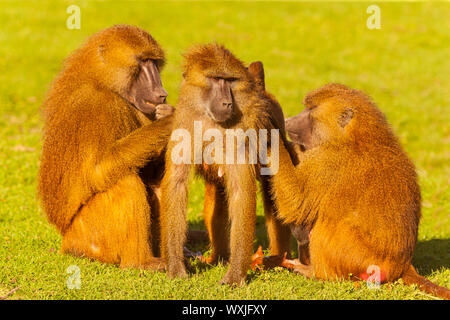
106,129
354,188
216,206
220,94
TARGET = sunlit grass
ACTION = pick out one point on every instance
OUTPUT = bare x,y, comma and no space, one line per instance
404,67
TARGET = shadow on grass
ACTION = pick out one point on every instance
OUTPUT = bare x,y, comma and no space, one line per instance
432,255
261,237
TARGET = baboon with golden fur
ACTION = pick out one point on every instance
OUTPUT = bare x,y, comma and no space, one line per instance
219,92
106,128
355,190
216,204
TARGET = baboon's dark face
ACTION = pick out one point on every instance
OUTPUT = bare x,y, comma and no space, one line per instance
218,99
300,129
326,123
146,91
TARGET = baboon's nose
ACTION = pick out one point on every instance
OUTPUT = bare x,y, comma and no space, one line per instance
163,95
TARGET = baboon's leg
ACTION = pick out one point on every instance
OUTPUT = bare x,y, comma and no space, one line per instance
155,226
217,222
279,234
303,254
174,199
114,227
154,197
301,234
241,189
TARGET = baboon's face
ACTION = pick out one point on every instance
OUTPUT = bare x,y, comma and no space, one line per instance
300,129
320,124
128,62
146,90
216,83
218,98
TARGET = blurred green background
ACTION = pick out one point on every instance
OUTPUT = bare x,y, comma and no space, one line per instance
404,66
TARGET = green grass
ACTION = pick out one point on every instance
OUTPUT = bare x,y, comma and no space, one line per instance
404,66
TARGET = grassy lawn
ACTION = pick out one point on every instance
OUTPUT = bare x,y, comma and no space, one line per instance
404,66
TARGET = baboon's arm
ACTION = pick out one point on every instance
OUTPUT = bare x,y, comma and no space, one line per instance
288,191
128,154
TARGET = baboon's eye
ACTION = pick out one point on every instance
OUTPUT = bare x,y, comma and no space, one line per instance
145,59
214,78
225,79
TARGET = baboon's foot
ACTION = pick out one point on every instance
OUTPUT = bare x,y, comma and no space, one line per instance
154,264
177,270
233,279
305,270
259,261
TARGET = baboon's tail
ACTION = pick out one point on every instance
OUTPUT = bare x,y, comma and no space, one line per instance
412,277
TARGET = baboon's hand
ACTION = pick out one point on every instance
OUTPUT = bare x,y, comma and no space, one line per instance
163,110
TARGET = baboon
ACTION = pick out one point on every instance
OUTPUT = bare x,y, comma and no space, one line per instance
355,190
221,94
106,129
216,206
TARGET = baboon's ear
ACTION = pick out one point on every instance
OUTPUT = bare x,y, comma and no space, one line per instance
345,117
256,69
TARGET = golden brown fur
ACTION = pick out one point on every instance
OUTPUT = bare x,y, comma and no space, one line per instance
251,111
356,189
101,156
216,206
279,234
